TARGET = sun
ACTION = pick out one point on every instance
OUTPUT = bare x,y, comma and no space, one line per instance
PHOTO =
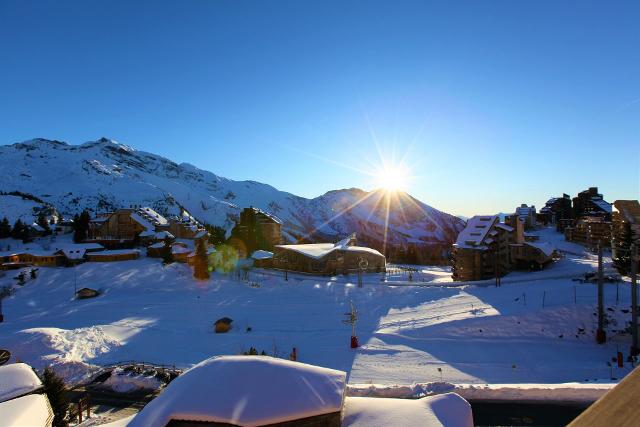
393,177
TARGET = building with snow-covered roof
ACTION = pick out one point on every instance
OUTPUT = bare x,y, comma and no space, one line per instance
18,379
487,248
33,410
591,203
625,230
277,393
328,258
113,255
481,250
255,230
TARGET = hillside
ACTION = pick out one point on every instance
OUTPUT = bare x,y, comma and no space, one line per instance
102,175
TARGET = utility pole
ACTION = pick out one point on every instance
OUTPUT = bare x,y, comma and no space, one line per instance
601,335
634,300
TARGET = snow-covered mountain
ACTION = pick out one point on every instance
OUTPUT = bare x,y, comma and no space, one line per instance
103,175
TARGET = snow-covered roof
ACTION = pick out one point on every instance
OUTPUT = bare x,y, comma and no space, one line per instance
605,206
504,226
33,410
74,253
161,235
319,250
17,379
545,247
158,245
37,227
115,252
200,234
447,409
260,254
179,249
276,391
148,226
475,232
155,216
210,250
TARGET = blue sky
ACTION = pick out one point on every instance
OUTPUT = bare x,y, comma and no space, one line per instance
492,103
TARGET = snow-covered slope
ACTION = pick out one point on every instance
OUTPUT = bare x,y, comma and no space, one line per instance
103,175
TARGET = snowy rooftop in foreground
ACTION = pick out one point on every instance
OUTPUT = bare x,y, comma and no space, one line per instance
16,380
443,410
276,390
28,411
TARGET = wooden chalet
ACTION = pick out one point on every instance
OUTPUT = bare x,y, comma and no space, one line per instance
113,255
328,258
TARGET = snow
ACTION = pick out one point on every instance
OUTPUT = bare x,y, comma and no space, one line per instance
476,231
260,254
116,252
17,379
158,245
15,207
477,334
155,216
125,382
605,206
33,410
320,250
104,173
445,410
247,391
545,247
148,226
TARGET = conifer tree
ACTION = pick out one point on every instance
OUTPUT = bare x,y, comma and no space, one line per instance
201,262
17,232
5,228
44,223
622,261
56,392
81,226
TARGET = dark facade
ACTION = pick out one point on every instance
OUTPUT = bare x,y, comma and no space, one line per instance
557,210
591,203
255,230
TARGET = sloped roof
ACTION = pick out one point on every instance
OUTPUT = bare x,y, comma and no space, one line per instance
605,206
277,391
629,209
33,410
16,380
476,230
260,254
320,250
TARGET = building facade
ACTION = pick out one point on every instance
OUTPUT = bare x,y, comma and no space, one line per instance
328,258
256,230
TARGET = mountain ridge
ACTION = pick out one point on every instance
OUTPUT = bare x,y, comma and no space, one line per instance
103,175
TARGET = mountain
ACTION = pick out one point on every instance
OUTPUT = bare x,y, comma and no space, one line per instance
103,175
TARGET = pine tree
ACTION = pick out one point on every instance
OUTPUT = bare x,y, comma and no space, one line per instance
201,262
622,261
17,232
44,223
56,392
5,228
81,227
